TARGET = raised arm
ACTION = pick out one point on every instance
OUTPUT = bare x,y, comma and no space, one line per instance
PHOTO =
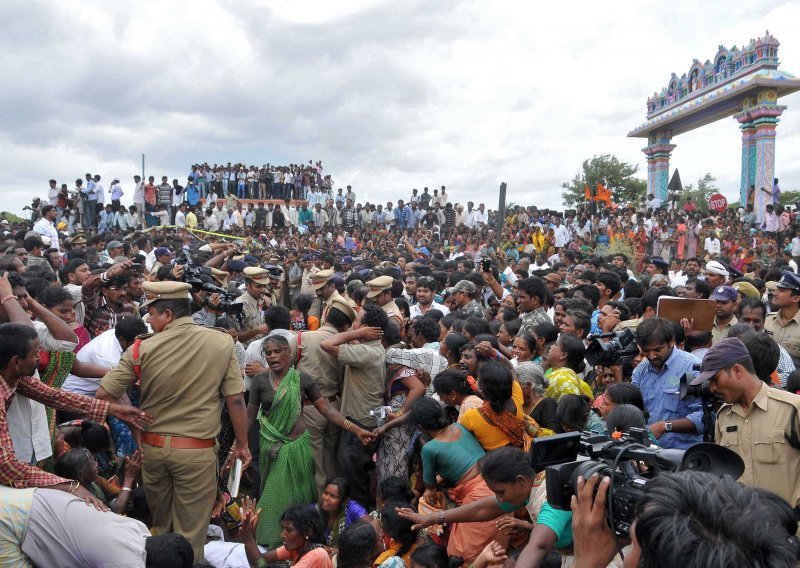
331,345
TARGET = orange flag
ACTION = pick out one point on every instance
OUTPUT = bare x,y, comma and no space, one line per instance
587,193
603,194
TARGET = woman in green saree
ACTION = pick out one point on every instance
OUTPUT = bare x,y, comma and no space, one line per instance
286,462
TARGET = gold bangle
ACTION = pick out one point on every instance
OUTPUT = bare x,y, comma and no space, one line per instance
400,412
347,424
73,489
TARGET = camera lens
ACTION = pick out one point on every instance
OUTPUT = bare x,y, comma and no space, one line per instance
587,469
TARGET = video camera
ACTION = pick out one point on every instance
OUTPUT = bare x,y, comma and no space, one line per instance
606,353
708,399
192,272
629,461
228,302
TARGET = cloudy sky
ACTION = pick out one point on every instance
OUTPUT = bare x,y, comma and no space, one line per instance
389,95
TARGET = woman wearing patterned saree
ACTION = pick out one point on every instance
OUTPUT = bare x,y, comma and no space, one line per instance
277,397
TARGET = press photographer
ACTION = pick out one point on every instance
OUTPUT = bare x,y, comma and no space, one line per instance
687,520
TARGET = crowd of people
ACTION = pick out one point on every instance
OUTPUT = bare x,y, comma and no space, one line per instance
378,376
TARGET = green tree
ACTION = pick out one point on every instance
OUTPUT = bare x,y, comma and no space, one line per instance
11,217
790,197
705,189
616,176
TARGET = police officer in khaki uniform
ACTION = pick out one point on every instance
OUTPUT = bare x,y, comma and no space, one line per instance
784,325
380,292
361,354
324,368
307,264
325,289
255,300
184,370
758,422
726,298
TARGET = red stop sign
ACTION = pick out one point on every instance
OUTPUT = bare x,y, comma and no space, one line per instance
718,203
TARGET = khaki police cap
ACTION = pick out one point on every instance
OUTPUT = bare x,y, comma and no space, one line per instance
344,306
78,240
747,289
156,291
257,275
319,279
378,285
220,276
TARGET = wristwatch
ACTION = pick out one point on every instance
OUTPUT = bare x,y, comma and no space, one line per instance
668,425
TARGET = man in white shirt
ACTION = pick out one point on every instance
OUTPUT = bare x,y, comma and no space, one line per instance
104,350
138,193
690,270
561,234
290,212
480,217
654,202
46,227
426,289
100,191
712,246
52,193
124,220
469,221
211,222
461,216
180,216
229,222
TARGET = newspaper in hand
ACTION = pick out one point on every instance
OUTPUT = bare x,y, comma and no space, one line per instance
235,478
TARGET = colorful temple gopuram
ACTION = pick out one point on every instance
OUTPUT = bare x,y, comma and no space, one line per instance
743,83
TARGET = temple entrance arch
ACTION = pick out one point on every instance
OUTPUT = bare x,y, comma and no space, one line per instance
744,84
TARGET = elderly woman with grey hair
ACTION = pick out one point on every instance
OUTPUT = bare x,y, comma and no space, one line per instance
535,404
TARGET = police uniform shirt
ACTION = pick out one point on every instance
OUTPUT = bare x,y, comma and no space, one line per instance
719,333
787,334
305,282
326,305
184,371
759,436
317,363
252,313
364,379
393,312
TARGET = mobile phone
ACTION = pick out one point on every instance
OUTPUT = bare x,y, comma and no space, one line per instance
486,265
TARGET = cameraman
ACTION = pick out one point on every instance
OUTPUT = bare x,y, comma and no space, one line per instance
676,422
211,310
686,520
758,422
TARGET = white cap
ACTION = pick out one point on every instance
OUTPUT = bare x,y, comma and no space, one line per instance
717,268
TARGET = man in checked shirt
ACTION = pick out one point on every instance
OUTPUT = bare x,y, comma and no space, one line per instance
19,356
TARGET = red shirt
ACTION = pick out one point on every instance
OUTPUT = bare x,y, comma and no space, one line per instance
15,473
